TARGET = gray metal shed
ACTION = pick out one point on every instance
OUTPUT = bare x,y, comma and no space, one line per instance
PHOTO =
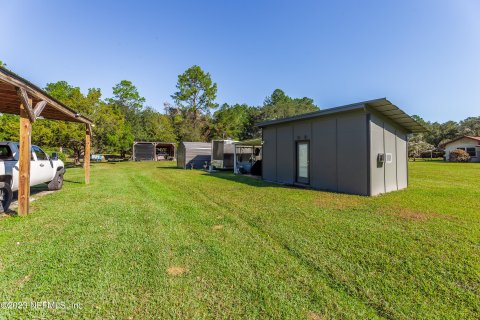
193,153
359,148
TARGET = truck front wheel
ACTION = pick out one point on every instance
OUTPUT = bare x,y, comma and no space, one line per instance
57,182
6,195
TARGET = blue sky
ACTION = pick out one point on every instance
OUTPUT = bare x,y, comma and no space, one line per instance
422,55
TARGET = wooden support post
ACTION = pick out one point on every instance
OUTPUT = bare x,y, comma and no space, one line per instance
86,159
24,161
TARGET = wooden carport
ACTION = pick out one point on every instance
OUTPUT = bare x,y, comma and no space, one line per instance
19,96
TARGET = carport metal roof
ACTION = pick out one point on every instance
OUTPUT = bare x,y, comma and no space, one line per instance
382,105
249,143
15,89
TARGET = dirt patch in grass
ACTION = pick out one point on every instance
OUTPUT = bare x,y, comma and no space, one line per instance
313,316
176,271
414,214
330,200
217,227
33,197
24,280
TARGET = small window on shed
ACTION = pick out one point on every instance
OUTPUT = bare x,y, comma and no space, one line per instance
471,152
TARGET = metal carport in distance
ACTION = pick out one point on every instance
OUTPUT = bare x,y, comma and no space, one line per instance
20,97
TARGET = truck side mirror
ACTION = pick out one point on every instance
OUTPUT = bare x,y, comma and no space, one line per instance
54,156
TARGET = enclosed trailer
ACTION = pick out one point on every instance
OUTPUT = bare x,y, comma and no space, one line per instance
223,154
193,155
358,149
153,151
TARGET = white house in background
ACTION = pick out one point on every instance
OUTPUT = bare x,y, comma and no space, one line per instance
467,143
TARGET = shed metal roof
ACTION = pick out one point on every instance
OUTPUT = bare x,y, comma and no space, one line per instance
382,105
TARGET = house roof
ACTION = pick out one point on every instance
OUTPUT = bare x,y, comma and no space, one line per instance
382,105
53,109
462,137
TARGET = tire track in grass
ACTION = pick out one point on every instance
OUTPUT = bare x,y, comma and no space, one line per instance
192,230
197,193
329,278
159,193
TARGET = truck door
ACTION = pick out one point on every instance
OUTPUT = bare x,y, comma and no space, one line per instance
41,169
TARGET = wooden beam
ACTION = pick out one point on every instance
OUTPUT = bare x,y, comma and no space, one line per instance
24,161
86,159
26,103
37,110
9,78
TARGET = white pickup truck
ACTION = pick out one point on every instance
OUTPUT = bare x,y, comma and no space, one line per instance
43,169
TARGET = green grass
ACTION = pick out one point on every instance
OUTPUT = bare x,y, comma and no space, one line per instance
250,249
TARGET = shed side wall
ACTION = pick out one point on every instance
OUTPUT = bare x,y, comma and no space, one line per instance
387,137
269,154
377,171
352,152
324,154
402,160
338,152
285,155
390,166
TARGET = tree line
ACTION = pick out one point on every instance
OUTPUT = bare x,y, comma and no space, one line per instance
125,117
437,134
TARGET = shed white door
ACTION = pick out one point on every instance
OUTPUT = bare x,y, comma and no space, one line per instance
303,174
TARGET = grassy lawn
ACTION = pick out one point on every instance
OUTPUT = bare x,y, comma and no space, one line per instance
147,240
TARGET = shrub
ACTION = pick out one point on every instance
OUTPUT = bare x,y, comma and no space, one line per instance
459,156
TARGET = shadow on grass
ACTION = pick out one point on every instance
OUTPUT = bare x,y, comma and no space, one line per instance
71,181
426,160
70,165
35,190
255,181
